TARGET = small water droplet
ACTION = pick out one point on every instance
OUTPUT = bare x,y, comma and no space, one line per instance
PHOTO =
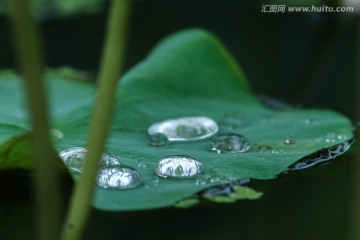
261,148
289,141
215,179
200,182
186,128
232,121
57,133
118,178
310,121
155,180
142,164
230,143
158,140
178,166
277,151
74,159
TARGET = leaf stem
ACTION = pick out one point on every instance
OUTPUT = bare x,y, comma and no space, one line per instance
109,73
47,183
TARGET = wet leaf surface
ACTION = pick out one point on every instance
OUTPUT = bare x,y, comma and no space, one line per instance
187,74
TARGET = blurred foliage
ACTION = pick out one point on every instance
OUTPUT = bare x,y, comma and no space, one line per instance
47,9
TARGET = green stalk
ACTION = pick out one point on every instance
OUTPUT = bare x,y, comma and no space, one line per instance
48,197
109,73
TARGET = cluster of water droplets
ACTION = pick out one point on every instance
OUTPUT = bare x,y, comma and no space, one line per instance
111,174
74,159
225,139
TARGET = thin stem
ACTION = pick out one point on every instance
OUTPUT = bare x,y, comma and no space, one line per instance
47,172
109,73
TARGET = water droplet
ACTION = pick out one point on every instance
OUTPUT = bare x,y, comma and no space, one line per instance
277,151
158,140
289,141
230,143
178,166
155,180
118,178
108,160
310,121
232,121
261,148
57,133
74,159
186,128
142,164
200,182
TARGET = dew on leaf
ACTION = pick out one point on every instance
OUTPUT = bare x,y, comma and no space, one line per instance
178,166
230,143
158,140
232,121
310,121
262,148
118,178
289,141
142,164
57,133
74,159
185,128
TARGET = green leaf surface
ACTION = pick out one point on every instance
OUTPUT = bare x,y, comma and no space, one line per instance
188,74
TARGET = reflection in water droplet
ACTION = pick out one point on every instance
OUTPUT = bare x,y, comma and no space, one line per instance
118,178
158,140
178,166
230,143
108,160
289,141
185,129
74,159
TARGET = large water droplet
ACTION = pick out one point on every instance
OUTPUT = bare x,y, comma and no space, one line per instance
186,128
158,140
178,166
74,159
118,178
230,143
